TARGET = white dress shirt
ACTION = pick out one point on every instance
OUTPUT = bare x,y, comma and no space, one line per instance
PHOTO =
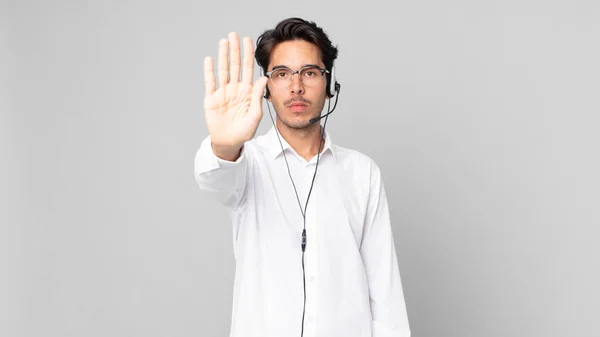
353,286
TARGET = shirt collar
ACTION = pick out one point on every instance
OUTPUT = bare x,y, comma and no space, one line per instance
274,147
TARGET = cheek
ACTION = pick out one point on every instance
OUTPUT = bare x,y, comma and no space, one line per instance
323,90
322,95
275,94
276,101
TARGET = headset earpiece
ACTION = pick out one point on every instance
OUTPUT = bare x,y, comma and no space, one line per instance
266,92
333,87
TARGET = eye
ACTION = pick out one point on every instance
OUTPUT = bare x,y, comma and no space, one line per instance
311,72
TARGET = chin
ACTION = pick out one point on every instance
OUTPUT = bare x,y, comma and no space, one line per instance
298,124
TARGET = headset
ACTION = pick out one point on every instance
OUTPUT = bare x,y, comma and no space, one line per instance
333,89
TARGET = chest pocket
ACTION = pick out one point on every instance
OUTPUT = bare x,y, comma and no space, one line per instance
346,208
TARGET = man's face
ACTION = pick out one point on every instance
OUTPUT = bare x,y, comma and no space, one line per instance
297,103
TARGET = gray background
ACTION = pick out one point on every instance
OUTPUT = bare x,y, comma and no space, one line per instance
483,117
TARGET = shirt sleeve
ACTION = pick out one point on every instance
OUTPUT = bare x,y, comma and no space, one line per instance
224,180
388,307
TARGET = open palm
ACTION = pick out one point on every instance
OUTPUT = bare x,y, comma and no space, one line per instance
233,110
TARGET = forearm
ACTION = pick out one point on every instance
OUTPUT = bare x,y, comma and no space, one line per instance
388,306
378,251
224,179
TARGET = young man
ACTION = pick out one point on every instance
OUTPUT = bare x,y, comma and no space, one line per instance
313,244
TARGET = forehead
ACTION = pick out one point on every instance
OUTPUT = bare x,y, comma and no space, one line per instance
295,54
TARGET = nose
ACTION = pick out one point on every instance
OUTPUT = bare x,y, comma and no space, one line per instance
296,86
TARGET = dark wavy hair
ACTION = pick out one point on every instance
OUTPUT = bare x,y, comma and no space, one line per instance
295,29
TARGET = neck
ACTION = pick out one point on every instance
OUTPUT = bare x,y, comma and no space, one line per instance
304,141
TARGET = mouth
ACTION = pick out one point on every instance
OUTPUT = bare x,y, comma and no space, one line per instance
298,106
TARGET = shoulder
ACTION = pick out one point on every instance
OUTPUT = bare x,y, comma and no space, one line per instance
262,144
261,141
351,157
356,163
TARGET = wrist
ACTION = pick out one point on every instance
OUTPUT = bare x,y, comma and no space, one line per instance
229,153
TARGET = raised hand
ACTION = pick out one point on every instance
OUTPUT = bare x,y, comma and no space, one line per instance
233,110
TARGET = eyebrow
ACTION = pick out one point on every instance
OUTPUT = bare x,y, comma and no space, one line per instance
303,66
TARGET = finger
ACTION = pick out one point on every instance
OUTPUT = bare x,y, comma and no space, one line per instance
223,63
234,42
248,72
209,76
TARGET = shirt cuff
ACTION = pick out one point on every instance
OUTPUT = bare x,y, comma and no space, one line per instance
207,160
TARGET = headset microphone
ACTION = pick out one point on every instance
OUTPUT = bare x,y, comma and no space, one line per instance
337,90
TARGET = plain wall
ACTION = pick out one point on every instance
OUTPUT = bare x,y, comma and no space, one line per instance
483,117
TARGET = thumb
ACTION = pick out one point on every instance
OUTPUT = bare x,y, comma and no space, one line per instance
258,90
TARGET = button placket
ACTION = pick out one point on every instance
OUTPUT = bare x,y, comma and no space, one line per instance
312,258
